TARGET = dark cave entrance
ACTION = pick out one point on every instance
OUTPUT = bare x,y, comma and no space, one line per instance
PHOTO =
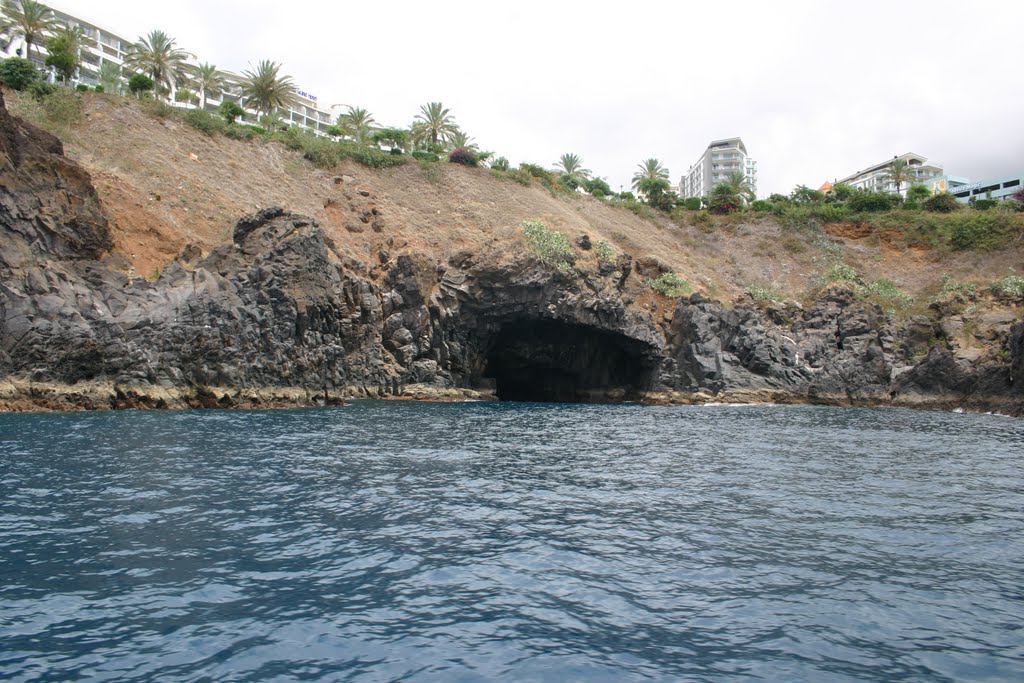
552,361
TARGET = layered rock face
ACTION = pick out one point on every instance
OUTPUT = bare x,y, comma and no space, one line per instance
278,316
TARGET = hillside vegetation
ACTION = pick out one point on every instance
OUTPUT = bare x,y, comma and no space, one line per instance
166,185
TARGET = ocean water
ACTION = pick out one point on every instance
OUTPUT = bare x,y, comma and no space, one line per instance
519,542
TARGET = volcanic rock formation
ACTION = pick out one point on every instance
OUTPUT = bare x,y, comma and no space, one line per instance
279,316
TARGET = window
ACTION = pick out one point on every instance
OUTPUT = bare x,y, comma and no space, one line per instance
1012,183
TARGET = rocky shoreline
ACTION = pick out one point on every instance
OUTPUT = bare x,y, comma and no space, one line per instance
278,316
28,396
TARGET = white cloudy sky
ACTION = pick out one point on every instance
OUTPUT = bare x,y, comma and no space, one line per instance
815,89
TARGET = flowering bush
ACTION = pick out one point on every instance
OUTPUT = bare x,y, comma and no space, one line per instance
466,157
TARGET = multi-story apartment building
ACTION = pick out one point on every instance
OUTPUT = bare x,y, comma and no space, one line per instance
100,45
1002,187
721,158
875,177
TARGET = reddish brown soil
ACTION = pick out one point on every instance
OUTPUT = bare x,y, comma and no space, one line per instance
165,185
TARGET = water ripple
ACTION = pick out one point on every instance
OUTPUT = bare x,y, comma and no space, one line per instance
473,542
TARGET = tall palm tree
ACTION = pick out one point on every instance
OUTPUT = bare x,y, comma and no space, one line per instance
264,89
30,21
208,80
435,123
357,124
740,186
572,166
898,173
157,57
650,169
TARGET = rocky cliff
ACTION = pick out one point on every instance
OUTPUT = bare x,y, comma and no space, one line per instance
280,315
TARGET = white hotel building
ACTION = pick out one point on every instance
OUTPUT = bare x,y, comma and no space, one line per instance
721,158
100,45
875,177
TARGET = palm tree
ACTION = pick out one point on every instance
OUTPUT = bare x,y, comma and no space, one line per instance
110,77
572,166
898,173
30,21
72,35
157,57
435,123
357,124
740,186
650,169
461,139
208,80
264,89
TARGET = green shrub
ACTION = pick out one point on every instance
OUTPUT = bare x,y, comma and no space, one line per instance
802,194
841,272
431,170
918,193
761,206
886,292
158,108
327,153
99,88
864,201
551,246
205,122
951,286
372,158
724,199
764,293
605,252
1011,285
17,73
140,83
980,230
985,204
392,138
230,111
521,176
693,203
598,187
536,171
82,87
670,285
842,192
421,155
239,132
830,213
500,164
637,207
943,202
63,107
40,89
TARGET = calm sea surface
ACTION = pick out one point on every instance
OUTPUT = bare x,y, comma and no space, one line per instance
469,542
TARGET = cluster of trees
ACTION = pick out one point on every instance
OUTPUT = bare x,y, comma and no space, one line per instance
432,133
154,64
842,196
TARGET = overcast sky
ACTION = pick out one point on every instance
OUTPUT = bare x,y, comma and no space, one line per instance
817,90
